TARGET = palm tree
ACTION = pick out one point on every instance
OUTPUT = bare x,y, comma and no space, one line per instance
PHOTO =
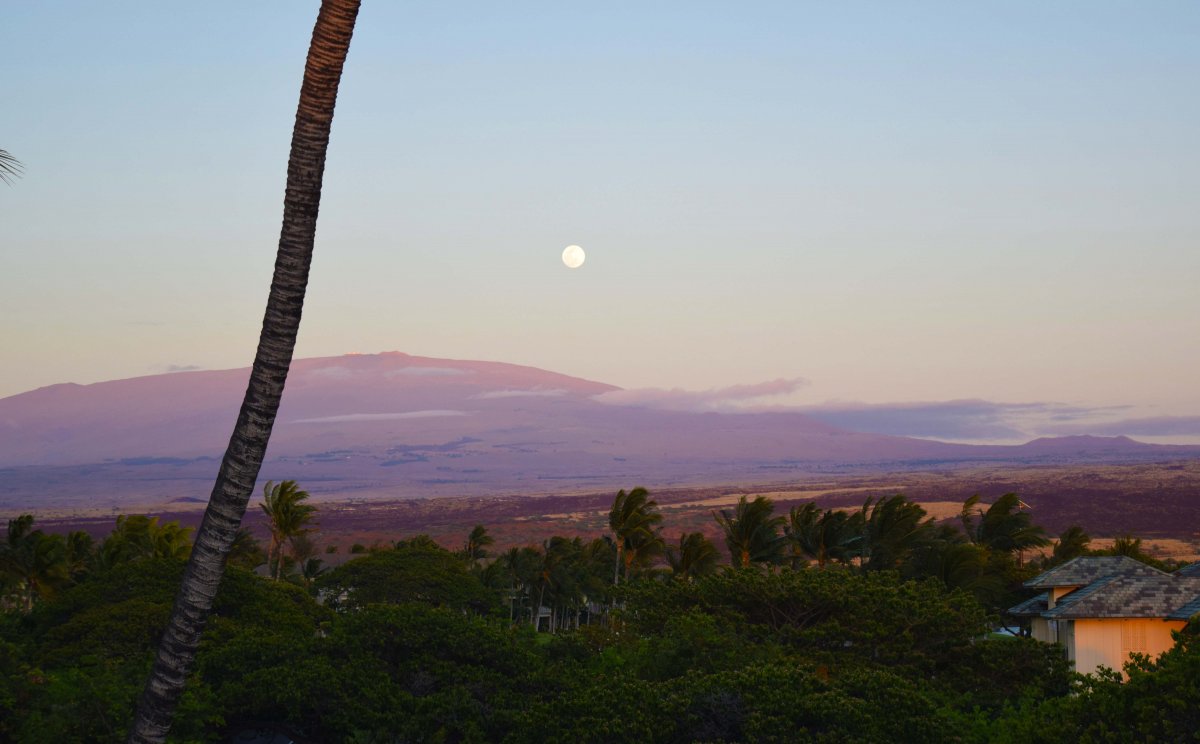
1003,528
695,556
287,518
475,549
634,521
246,551
751,533
892,529
822,536
32,562
10,167
1072,543
307,566
248,443
80,552
137,536
514,572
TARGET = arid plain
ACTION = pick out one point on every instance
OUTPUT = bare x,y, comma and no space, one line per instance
1156,501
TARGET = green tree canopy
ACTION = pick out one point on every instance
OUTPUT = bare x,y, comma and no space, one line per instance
432,576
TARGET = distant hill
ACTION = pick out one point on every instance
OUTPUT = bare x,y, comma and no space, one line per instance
397,425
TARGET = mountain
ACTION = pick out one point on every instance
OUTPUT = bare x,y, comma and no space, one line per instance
400,426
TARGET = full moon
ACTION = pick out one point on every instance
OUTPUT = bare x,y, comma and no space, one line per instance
573,256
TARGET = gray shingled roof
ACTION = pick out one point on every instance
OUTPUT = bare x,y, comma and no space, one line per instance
1031,607
1129,596
1192,569
1086,569
1083,592
1187,611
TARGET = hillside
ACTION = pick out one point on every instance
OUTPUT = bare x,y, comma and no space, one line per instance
398,426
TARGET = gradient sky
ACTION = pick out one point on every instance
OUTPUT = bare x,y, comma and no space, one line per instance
897,202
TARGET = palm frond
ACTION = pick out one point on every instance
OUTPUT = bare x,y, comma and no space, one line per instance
10,167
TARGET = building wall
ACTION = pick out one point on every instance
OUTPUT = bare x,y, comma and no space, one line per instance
1043,630
1096,642
1057,593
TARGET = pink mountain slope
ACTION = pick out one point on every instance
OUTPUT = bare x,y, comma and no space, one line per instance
398,425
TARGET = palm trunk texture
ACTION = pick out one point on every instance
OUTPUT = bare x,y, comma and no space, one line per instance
248,444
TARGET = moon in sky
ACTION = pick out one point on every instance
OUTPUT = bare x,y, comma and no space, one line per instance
573,256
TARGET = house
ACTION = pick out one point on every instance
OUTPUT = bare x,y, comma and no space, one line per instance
1104,608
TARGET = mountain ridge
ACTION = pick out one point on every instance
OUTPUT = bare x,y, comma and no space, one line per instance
402,425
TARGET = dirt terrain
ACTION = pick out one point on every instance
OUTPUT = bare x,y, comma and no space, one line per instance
1159,502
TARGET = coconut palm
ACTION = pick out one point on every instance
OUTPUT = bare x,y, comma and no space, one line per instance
892,529
10,167
246,551
694,556
137,536
304,566
475,549
80,552
248,443
32,563
1072,543
634,521
288,518
514,572
822,536
1003,528
752,533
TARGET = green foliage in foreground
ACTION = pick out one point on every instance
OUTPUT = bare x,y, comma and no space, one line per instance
750,655
884,637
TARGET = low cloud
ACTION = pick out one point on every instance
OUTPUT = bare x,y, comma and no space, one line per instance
966,420
350,418
492,394
426,372
183,367
727,398
955,419
330,373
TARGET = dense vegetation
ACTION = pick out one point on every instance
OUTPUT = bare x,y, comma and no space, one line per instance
872,625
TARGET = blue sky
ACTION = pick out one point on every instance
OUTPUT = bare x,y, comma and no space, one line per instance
897,202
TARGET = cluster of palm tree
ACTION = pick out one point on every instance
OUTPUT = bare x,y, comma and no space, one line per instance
883,535
983,556
34,565
568,580
555,585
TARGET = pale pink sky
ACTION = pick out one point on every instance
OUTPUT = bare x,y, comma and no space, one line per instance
927,203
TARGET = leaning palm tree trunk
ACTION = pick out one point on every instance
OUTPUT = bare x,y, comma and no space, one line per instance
243,458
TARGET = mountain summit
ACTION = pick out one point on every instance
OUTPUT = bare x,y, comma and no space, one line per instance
400,425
